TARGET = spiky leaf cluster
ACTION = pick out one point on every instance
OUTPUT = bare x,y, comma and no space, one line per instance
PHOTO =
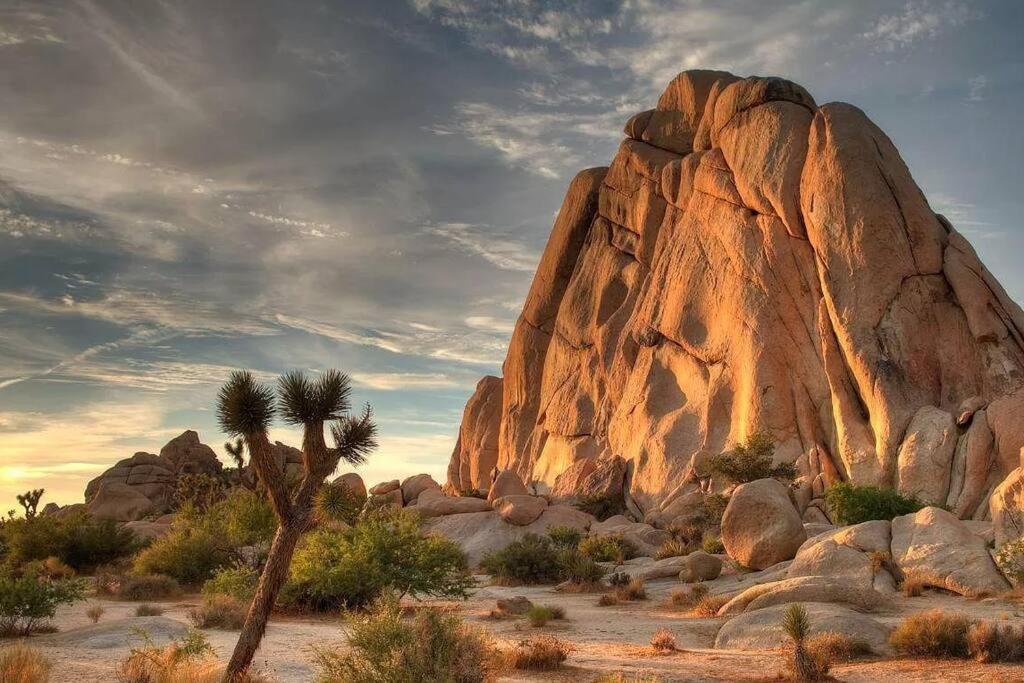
355,437
305,401
244,405
796,623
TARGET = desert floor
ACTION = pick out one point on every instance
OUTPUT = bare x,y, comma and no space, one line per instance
607,639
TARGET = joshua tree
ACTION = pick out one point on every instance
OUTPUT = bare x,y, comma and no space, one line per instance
236,451
245,410
803,665
30,501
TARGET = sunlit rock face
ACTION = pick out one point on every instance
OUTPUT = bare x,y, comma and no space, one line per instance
752,260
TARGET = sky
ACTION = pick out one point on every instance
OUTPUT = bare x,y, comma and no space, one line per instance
191,187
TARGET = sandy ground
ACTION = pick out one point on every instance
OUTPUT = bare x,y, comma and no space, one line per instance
607,639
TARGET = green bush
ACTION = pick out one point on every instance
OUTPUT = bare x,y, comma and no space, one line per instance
237,582
751,461
199,490
386,550
540,615
577,568
26,602
78,540
339,503
1010,559
851,504
248,518
608,548
531,559
565,536
601,506
435,646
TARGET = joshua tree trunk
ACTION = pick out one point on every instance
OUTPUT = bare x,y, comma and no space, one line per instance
274,575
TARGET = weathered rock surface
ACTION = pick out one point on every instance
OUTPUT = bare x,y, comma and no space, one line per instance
507,483
645,537
942,550
479,533
843,554
802,589
761,527
119,502
437,505
385,487
762,629
518,509
754,261
415,485
700,566
1007,508
353,482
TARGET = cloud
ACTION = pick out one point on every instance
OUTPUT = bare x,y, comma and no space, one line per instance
976,86
473,239
406,381
486,322
917,22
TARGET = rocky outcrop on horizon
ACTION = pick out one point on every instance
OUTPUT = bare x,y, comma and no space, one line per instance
752,261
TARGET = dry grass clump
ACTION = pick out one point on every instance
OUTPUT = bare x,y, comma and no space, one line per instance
932,633
914,583
709,605
673,547
94,613
803,663
697,600
620,677
991,642
219,611
663,640
634,590
147,587
608,600
540,615
148,610
837,647
20,663
543,653
189,660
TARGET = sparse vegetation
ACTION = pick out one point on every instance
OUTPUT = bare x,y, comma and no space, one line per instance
147,610
384,551
632,590
663,640
435,646
29,501
238,582
803,663
608,600
914,582
28,602
751,461
540,615
673,547
579,570
851,504
219,611
988,642
933,633
94,613
77,540
199,491
542,653
530,560
712,545
336,502
697,600
566,537
21,663
148,587
1010,559
836,647
608,548
601,506
188,659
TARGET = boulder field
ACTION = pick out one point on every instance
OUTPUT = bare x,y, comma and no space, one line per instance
754,261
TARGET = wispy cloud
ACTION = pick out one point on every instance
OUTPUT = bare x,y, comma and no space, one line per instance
395,381
920,20
475,239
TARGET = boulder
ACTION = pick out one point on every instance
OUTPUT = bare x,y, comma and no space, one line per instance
431,505
353,482
186,454
645,537
803,589
762,629
1007,508
413,486
761,527
924,459
602,479
476,449
843,554
507,483
700,566
936,546
385,487
392,498
519,510
148,474
119,502
648,569
479,533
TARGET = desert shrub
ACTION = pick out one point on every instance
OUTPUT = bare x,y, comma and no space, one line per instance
188,659
687,597
712,508
51,568
991,642
78,540
619,677
617,579
531,559
663,640
543,653
237,582
608,600
219,611
803,664
148,587
384,551
189,552
634,590
712,545
565,536
578,569
913,583
147,610
27,602
837,647
247,517
751,461
339,503
601,506
94,613
540,615
199,490
472,493
933,633
1010,559
851,504
708,605
20,663
608,548
674,547
435,646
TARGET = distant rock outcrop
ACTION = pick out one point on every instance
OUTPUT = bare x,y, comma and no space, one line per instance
754,261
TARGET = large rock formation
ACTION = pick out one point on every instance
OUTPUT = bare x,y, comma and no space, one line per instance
754,261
